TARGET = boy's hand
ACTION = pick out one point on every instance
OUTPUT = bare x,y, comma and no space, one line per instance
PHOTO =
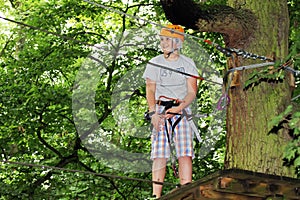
172,111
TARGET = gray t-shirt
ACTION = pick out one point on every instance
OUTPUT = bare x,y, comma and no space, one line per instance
169,83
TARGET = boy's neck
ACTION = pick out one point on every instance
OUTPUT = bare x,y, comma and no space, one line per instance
171,57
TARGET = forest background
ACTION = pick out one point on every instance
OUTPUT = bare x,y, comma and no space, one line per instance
50,68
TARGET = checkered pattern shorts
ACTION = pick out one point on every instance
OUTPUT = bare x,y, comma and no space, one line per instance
182,138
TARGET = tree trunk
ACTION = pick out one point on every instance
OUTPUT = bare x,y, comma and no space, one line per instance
260,27
251,145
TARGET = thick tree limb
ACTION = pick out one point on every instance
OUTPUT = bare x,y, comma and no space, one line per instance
236,25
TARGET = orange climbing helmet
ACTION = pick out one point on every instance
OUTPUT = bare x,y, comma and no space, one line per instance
174,31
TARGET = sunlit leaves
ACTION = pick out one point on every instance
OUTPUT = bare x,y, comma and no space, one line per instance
38,67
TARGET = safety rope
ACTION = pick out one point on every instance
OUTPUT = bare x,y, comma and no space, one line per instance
227,51
92,45
296,97
239,52
224,99
175,70
259,65
85,172
295,72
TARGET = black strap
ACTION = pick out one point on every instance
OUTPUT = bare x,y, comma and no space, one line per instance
167,105
173,162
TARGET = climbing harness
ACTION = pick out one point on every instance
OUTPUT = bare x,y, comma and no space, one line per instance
169,104
170,136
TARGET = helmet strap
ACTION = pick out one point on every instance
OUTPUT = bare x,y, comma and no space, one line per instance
173,49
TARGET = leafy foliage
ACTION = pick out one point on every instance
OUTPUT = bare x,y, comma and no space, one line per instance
290,117
38,67
292,153
294,40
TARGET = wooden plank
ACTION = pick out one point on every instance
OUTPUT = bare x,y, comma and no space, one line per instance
259,184
234,184
206,192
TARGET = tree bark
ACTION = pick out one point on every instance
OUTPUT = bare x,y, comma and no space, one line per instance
260,27
236,25
251,144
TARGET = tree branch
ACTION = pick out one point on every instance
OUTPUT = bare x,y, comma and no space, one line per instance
5,46
41,139
106,178
63,162
236,25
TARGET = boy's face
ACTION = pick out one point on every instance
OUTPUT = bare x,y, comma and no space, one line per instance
167,44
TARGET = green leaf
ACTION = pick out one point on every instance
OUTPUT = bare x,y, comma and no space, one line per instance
297,161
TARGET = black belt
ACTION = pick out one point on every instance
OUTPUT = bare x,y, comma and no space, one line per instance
168,104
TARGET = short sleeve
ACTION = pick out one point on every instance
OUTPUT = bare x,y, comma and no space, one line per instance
151,71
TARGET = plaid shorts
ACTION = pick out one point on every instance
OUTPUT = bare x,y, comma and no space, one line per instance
182,139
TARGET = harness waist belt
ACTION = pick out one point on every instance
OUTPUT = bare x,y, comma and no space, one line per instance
167,103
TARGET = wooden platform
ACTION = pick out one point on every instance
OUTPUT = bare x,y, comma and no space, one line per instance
235,184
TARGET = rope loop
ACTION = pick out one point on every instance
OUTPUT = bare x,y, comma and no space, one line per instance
223,102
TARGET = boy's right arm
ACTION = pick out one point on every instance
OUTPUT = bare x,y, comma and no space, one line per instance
156,119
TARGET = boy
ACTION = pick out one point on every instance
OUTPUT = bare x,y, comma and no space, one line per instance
169,95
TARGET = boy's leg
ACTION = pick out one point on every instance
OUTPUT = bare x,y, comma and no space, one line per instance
185,169
158,174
